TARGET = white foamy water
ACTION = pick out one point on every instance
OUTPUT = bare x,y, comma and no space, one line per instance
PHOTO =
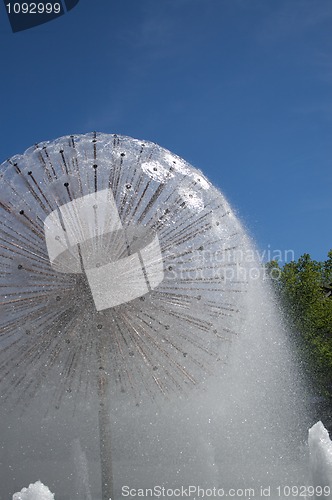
320,447
36,491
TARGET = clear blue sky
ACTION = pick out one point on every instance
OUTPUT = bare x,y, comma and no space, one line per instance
242,89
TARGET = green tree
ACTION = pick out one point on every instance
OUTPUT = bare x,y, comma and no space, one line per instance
302,288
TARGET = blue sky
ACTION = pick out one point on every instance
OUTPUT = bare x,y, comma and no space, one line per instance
242,89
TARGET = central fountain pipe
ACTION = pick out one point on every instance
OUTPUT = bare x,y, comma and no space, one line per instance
105,425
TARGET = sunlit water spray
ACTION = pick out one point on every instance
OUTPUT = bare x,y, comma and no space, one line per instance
137,340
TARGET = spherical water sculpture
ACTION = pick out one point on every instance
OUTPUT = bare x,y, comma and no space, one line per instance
120,272
113,248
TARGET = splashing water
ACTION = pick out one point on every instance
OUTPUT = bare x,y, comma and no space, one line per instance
320,447
36,491
130,300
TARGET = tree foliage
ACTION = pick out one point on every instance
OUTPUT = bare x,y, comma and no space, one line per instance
303,287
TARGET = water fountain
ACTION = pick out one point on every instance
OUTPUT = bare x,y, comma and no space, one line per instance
138,338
